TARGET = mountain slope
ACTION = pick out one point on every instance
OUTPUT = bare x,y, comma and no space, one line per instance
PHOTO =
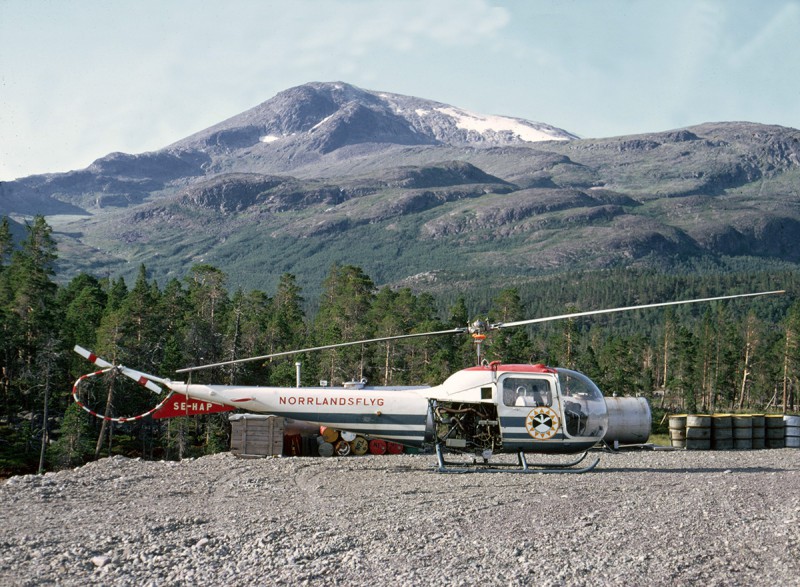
403,187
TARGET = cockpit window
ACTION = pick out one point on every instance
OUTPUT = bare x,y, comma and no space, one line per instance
585,411
525,391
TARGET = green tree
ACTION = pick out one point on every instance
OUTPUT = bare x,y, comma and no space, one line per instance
205,324
287,330
73,446
790,383
32,318
462,347
509,345
345,303
6,241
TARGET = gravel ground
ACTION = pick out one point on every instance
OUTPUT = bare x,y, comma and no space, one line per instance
640,518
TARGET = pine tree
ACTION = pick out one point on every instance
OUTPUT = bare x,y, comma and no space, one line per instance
344,306
207,314
6,242
288,330
73,445
508,345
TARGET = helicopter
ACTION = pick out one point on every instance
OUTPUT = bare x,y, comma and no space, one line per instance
481,411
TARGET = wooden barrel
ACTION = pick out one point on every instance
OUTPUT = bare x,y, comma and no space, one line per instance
677,430
742,431
722,432
377,446
698,432
359,445
791,427
325,449
342,448
775,429
759,431
329,434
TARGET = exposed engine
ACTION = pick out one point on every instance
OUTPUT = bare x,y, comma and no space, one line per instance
467,427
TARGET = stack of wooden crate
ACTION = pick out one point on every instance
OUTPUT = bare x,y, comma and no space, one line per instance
256,435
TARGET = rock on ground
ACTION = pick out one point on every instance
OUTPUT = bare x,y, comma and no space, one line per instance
640,518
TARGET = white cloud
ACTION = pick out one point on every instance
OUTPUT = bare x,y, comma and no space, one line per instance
84,78
779,32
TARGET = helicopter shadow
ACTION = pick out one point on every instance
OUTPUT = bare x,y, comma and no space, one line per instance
691,470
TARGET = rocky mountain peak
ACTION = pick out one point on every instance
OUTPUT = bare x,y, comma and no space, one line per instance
323,117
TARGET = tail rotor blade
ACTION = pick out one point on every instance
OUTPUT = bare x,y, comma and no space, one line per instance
142,379
92,358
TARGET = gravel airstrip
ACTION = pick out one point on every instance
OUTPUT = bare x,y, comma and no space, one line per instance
640,518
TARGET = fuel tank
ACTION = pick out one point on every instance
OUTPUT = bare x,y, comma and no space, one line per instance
629,420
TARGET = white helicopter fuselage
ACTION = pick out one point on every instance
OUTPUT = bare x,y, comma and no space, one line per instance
392,413
500,408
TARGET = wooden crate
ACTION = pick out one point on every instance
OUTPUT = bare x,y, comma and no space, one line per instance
256,435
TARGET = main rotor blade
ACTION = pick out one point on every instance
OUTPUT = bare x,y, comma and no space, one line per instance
322,348
625,309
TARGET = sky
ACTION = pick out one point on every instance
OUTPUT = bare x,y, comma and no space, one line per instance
83,78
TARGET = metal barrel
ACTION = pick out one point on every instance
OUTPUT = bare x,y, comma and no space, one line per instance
629,420
722,432
330,435
698,432
774,427
677,430
325,449
377,446
394,448
742,431
759,431
791,431
342,448
359,445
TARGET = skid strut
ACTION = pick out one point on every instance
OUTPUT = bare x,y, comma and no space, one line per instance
522,465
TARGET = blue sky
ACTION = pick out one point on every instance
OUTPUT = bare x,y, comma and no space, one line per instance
82,78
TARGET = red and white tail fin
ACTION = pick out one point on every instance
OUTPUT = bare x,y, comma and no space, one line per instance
181,405
141,378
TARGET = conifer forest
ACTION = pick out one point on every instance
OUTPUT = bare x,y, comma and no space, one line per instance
733,356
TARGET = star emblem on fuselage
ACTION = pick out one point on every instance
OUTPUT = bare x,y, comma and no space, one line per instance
542,423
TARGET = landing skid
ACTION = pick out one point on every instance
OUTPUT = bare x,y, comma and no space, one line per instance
522,465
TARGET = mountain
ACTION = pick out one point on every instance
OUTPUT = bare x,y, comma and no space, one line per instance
425,194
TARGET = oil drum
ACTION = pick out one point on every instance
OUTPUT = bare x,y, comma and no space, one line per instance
393,448
791,431
774,427
359,445
759,431
329,434
698,432
721,432
743,431
377,446
342,448
677,431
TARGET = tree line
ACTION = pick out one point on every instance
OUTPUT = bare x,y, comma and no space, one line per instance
738,356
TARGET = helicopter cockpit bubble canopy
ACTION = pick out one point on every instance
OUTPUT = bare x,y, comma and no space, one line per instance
585,410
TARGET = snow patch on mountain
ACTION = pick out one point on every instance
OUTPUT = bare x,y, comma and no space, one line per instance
482,123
